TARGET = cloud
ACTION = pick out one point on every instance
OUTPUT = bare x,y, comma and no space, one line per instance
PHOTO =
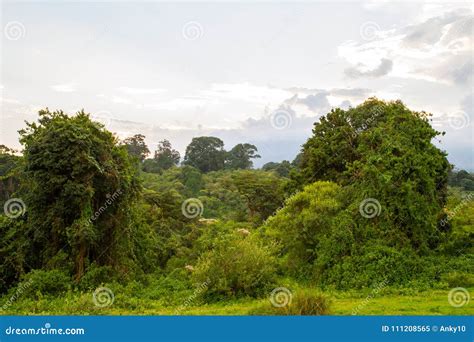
64,88
360,71
120,100
437,49
247,92
317,102
9,101
142,91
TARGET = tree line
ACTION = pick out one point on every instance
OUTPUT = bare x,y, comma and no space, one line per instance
204,153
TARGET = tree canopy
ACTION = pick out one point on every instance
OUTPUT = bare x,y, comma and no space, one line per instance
137,147
206,154
240,156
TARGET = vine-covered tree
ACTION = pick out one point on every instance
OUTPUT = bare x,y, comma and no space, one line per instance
381,153
78,184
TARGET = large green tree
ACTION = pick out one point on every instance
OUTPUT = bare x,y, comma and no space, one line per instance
78,185
392,184
383,150
206,154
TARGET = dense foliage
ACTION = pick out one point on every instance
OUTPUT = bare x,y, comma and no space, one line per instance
365,203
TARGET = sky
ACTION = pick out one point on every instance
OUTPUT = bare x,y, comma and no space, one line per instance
256,72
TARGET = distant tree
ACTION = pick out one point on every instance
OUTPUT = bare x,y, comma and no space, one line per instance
8,160
206,154
240,157
150,165
262,191
298,159
467,184
137,147
462,179
283,168
166,156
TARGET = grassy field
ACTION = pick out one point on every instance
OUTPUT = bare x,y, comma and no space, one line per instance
433,302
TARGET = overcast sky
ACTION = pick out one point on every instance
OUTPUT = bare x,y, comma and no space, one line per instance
246,72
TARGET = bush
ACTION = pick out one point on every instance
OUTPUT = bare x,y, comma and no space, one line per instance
95,276
236,266
459,279
307,302
39,283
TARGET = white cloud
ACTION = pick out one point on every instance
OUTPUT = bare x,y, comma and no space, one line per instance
120,100
9,101
180,103
64,88
438,49
247,92
142,91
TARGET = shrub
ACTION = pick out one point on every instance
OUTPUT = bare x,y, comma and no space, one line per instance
38,283
95,276
236,266
308,303
459,279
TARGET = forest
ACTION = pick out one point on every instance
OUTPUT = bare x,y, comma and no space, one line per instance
369,218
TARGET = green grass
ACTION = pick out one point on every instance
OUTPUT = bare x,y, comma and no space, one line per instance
432,302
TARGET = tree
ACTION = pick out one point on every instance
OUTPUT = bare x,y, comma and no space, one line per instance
283,169
137,147
150,165
77,184
240,157
262,191
166,156
8,160
383,150
304,220
462,179
9,165
206,154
